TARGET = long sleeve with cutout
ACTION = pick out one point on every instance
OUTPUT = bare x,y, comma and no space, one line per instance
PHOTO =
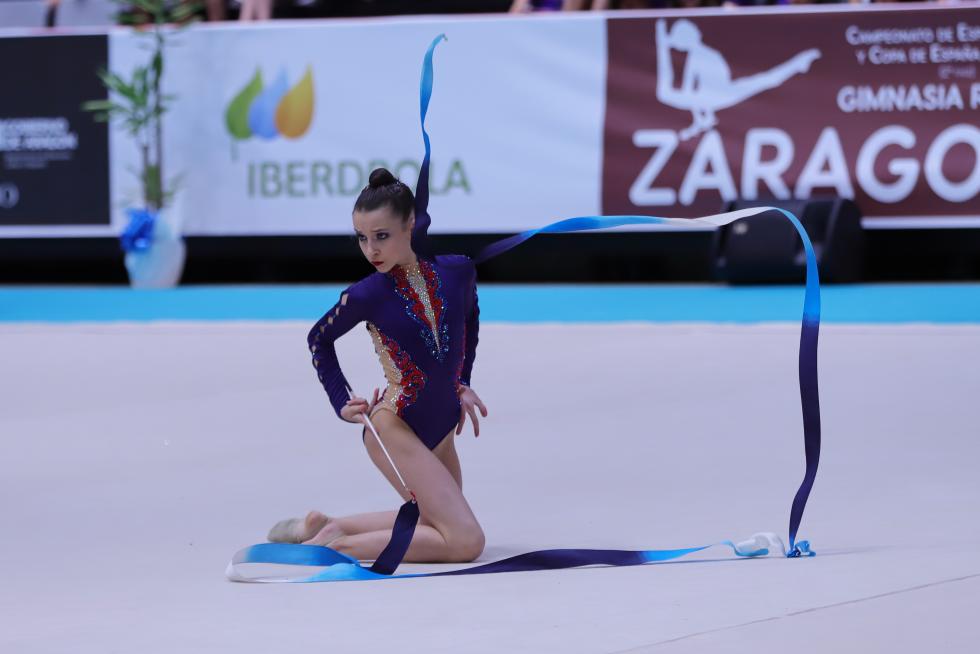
348,312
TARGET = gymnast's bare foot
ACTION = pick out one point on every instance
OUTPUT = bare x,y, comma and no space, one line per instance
297,530
328,533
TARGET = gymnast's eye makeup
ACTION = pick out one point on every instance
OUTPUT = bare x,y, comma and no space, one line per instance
380,236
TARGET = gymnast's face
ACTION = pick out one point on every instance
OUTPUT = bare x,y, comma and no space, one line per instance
385,239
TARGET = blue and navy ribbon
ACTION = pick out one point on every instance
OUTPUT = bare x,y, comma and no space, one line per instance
809,333
401,537
340,567
420,234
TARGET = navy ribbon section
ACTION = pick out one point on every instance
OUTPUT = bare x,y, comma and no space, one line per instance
343,568
401,537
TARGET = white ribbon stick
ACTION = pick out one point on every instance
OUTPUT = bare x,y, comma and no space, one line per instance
374,431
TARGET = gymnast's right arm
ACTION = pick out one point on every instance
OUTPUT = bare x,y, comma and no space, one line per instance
349,311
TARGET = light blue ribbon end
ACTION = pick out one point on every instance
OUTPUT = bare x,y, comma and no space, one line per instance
801,549
763,552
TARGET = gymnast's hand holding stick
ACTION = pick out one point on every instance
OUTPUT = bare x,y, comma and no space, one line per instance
357,406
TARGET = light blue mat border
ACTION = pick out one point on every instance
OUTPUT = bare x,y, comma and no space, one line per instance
865,303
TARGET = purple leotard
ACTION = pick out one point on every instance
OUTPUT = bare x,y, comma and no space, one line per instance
424,321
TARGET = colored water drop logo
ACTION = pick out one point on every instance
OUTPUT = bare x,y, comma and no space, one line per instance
295,112
236,115
271,111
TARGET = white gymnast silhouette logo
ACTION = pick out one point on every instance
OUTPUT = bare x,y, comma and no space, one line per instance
707,85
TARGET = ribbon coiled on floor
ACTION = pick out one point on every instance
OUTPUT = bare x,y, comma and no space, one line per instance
340,567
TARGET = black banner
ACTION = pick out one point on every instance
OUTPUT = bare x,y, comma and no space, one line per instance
54,158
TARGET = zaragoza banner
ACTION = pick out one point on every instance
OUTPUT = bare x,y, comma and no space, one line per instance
879,106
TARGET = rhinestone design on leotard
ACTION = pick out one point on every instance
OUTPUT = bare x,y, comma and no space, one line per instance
421,289
405,379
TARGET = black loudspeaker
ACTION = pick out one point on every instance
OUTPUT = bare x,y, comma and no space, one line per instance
766,249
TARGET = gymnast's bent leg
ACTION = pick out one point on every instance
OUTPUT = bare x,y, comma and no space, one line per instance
448,531
324,529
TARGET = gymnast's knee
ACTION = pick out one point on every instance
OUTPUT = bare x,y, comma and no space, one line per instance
467,545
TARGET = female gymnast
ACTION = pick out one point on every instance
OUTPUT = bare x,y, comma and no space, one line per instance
423,316
422,313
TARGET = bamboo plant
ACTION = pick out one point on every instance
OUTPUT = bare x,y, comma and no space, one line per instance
137,102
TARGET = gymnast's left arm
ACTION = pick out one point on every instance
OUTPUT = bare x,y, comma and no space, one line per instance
469,401
349,311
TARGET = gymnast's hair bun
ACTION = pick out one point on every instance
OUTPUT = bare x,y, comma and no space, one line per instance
381,177
385,190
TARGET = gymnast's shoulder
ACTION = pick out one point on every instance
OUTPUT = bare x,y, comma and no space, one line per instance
366,289
457,263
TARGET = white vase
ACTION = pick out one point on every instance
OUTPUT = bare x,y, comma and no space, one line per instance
161,265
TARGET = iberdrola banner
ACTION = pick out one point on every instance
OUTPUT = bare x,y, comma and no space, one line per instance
277,126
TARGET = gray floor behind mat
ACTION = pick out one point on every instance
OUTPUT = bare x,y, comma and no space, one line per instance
137,458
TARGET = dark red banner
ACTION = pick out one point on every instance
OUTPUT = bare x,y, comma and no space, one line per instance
881,106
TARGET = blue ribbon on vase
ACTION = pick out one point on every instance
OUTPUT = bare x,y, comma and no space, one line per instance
138,234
